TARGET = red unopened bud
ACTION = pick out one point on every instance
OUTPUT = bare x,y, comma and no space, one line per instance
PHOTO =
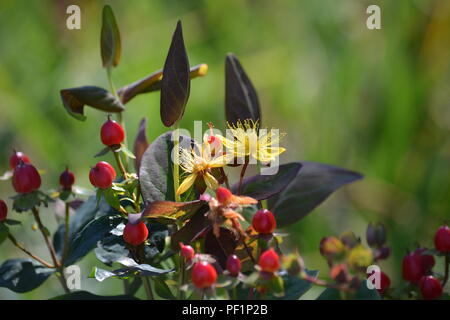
187,251
223,195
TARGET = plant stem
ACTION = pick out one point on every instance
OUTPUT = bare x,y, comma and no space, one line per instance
119,114
126,286
182,276
225,177
447,266
176,162
148,288
66,233
244,168
51,249
35,257
122,169
249,252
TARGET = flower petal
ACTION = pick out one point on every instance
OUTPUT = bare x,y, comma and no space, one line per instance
187,183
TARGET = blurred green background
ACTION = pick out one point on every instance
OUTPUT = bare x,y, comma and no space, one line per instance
375,101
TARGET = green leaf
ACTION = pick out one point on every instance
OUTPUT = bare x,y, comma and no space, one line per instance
27,201
12,222
262,187
163,290
131,268
140,143
23,275
156,176
241,100
364,293
110,44
330,294
175,84
111,198
102,152
125,151
84,295
74,100
84,214
294,287
312,185
110,249
4,232
86,240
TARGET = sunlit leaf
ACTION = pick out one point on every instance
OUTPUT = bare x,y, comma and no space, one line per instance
110,44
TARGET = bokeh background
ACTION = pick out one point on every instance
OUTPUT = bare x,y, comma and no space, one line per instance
375,101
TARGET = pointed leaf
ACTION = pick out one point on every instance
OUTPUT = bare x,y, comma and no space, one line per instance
155,174
110,45
192,229
221,247
262,187
23,275
74,100
171,209
175,84
141,143
241,100
312,185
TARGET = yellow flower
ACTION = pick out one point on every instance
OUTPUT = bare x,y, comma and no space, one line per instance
248,141
198,162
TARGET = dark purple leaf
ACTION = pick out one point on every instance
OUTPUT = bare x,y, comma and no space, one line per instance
110,39
175,84
262,187
221,247
312,185
141,143
241,100
74,100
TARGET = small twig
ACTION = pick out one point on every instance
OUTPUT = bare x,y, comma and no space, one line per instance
148,289
35,257
120,164
249,252
51,249
182,278
447,266
225,178
66,233
176,161
244,168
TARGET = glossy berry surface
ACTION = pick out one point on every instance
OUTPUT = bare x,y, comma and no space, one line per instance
135,234
102,175
203,275
112,133
430,287
428,261
187,252
413,267
26,178
223,195
269,261
15,159
442,239
233,265
66,179
264,222
3,210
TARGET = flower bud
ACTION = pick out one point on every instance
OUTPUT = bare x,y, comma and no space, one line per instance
360,258
376,235
331,248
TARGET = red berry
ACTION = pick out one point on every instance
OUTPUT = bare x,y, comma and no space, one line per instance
442,239
223,195
233,265
15,159
26,178
3,210
102,175
385,282
430,287
264,222
67,179
187,252
269,261
112,133
136,233
428,261
204,275
413,267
